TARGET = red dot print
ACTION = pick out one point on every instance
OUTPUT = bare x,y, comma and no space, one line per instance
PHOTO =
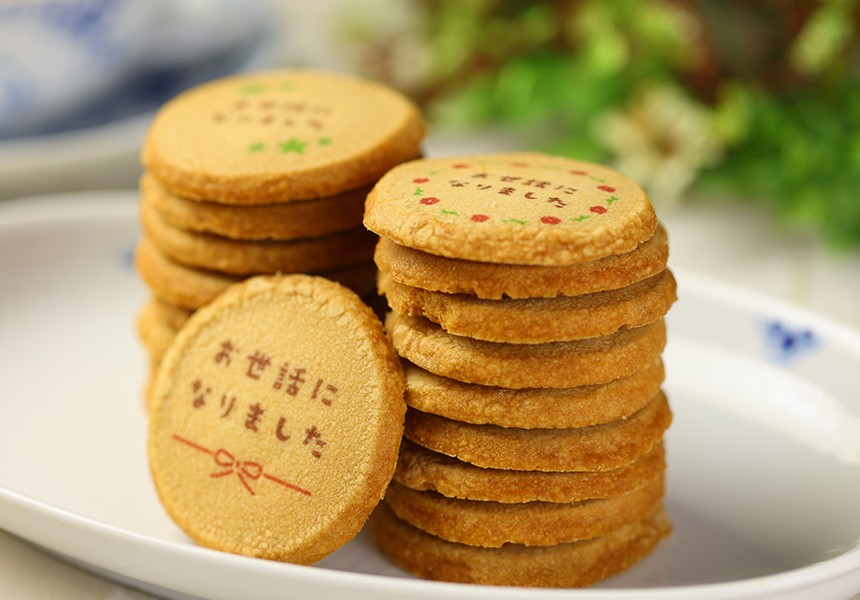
598,209
420,180
550,220
429,201
578,173
606,188
460,166
479,218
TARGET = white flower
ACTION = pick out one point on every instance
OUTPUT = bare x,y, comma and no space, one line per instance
662,140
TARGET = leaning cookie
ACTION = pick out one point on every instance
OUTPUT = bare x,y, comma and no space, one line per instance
597,448
536,320
576,564
276,417
421,469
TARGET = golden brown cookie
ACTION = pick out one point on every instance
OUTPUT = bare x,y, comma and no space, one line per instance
240,257
576,564
532,408
536,320
422,469
156,329
493,524
516,208
192,288
282,221
597,448
276,419
279,136
495,281
515,366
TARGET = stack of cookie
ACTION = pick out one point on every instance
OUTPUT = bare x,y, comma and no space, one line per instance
527,296
259,174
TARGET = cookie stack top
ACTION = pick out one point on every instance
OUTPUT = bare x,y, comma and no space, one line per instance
516,208
280,136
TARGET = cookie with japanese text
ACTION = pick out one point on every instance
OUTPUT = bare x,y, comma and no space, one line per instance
282,221
276,417
575,564
493,281
516,208
279,136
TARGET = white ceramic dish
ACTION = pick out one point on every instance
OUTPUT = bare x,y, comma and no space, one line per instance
764,452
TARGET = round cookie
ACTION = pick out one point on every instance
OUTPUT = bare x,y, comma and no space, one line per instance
191,288
492,524
280,136
496,281
577,564
276,419
422,469
156,327
597,448
240,257
532,408
516,208
536,320
283,221
516,366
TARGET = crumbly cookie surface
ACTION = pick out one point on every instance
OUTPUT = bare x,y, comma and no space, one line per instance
517,208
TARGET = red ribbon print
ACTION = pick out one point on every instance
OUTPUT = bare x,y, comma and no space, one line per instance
245,470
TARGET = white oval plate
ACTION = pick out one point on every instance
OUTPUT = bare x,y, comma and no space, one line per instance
764,452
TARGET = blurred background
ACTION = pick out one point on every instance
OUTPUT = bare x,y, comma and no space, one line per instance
741,118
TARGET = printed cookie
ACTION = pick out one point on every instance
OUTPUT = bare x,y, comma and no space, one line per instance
280,136
283,221
532,408
422,469
239,257
515,366
496,281
577,564
536,320
597,448
517,208
276,418
492,524
191,288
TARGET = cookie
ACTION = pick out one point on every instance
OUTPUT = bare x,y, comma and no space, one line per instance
422,469
496,281
532,408
284,221
577,564
597,448
515,366
493,524
191,288
276,419
239,257
514,208
280,136
157,327
536,320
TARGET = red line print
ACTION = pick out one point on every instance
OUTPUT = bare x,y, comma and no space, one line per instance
245,470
